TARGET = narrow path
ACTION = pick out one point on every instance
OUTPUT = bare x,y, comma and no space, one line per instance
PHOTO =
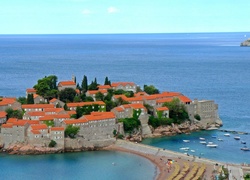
235,173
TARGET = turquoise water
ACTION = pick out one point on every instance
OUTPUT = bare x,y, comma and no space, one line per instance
82,165
227,151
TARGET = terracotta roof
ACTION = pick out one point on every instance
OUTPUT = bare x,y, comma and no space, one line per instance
3,114
35,131
162,109
75,121
39,127
53,100
141,94
7,126
164,100
104,86
137,106
66,83
30,90
56,110
47,118
33,122
151,97
11,120
35,96
139,98
119,109
57,129
20,123
80,104
37,106
184,99
115,84
54,116
103,91
36,113
99,116
120,96
7,101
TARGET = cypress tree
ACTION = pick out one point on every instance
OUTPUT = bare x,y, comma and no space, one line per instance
85,84
30,99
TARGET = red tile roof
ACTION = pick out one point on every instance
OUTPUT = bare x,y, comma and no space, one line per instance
97,116
7,126
104,86
20,123
184,99
71,112
169,99
3,114
7,101
37,106
103,91
35,131
39,127
137,106
33,122
36,113
11,120
66,83
57,129
53,100
162,109
30,90
115,84
119,109
75,121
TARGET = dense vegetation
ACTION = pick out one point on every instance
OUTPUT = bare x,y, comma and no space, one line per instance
156,122
177,111
151,89
14,113
130,124
52,143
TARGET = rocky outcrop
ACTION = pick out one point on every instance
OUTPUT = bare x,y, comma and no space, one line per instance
174,129
246,43
29,149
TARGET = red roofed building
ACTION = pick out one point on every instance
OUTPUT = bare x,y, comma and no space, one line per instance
92,93
12,103
3,117
36,107
102,87
162,112
126,86
66,84
38,134
57,102
57,134
30,91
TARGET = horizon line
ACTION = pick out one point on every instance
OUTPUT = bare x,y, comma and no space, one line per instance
126,33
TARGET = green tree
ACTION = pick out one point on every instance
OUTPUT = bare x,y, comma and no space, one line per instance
93,85
22,100
197,117
67,95
107,81
99,96
14,113
30,99
47,87
89,99
52,143
85,84
71,131
177,111
150,89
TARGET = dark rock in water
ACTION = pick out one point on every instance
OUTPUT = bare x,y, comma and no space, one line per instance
246,43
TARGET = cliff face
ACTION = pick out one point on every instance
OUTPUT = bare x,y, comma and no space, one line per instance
246,43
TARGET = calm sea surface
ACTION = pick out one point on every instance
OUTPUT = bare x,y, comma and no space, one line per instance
203,66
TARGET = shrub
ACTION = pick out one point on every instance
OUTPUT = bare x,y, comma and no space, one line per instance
197,117
120,136
52,143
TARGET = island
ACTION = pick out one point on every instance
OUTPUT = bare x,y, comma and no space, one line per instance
68,116
246,43
65,116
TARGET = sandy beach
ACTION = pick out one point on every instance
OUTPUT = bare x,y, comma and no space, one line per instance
166,171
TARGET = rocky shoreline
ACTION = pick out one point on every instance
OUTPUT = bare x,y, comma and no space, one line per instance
170,130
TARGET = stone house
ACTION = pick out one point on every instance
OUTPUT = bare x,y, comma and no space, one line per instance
57,134
55,119
33,115
92,93
126,86
30,91
66,84
14,132
36,107
6,103
96,126
3,117
57,102
39,99
38,135
162,112
49,111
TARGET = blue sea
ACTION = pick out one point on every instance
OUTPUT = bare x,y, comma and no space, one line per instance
200,65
